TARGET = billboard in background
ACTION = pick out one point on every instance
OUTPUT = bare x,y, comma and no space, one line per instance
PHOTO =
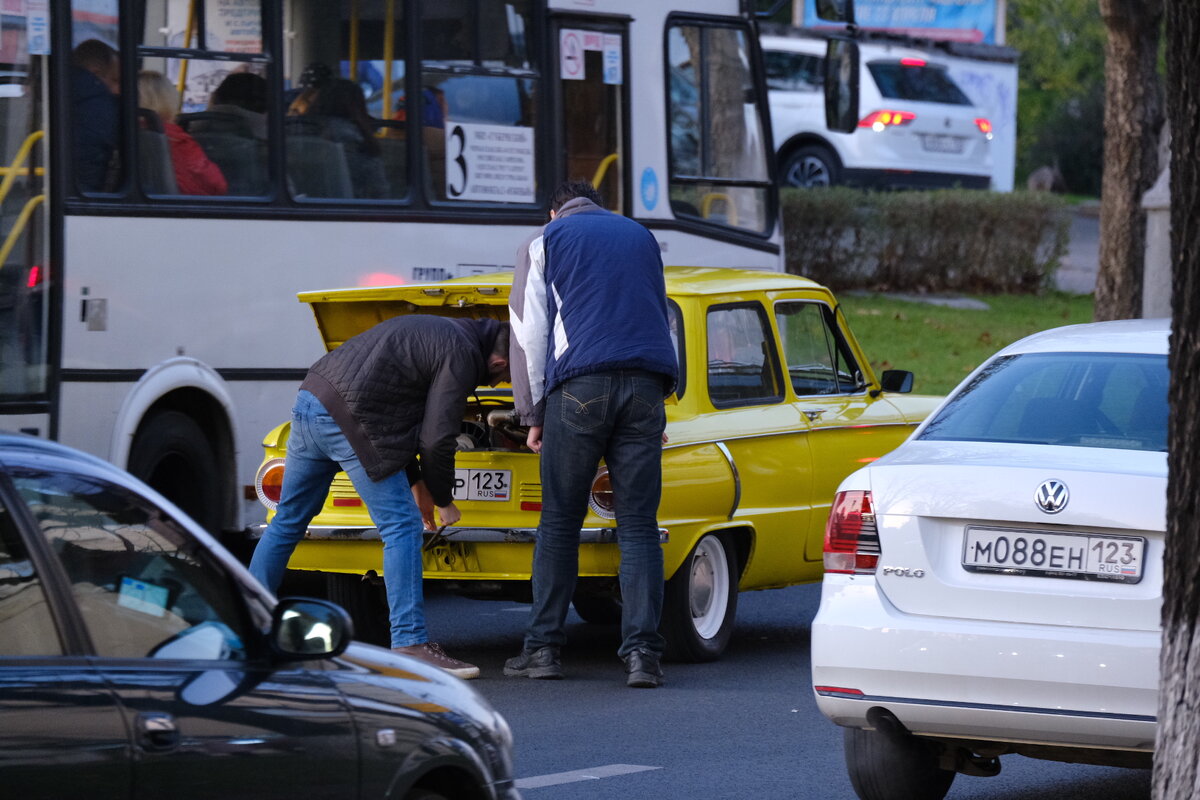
948,20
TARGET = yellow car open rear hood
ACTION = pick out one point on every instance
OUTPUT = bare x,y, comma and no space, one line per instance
342,313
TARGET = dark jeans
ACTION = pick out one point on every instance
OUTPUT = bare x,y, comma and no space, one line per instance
617,416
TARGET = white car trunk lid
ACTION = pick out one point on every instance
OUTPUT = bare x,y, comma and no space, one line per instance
947,512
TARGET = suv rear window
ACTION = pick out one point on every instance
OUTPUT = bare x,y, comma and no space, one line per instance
926,84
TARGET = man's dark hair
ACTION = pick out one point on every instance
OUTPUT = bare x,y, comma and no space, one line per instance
93,55
500,345
570,190
243,89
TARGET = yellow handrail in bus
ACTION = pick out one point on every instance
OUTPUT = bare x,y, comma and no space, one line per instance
598,178
712,197
19,227
14,169
187,40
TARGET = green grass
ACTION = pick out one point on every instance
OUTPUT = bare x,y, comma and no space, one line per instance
942,345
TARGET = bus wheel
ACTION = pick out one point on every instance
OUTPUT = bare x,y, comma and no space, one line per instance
366,604
700,602
172,454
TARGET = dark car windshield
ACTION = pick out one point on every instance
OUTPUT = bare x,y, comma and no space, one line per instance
926,83
1080,399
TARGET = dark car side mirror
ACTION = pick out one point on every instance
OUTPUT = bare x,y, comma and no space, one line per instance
304,628
896,380
841,85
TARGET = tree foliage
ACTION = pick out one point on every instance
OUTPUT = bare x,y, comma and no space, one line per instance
1060,108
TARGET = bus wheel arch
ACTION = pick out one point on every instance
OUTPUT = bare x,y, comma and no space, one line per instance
176,433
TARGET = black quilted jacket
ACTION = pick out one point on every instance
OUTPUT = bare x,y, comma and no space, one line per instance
399,391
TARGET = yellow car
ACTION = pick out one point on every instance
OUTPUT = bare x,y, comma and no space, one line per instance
776,404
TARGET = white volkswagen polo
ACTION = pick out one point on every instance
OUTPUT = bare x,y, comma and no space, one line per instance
993,585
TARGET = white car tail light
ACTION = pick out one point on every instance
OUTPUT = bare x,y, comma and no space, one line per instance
851,538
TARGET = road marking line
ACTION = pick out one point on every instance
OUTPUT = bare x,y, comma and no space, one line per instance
574,776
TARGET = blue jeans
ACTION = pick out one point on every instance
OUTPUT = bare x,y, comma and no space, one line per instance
316,451
618,416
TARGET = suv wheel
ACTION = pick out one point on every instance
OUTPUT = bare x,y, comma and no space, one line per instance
810,167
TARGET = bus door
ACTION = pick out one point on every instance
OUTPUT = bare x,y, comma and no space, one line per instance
593,100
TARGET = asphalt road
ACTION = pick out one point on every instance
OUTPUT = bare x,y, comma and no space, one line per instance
743,727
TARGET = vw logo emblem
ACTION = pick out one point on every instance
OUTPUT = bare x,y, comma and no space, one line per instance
1052,496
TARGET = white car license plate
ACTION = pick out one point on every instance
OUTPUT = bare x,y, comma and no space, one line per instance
1054,555
482,484
941,143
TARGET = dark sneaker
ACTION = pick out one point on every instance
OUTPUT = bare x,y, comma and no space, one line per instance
433,654
643,670
542,663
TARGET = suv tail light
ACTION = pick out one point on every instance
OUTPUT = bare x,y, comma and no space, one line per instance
985,126
851,538
882,120
268,483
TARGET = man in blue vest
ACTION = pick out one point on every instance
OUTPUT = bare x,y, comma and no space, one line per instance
593,360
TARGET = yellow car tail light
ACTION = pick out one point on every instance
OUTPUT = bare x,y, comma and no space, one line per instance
268,483
600,501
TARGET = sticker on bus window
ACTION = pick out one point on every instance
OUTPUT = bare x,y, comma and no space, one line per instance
489,162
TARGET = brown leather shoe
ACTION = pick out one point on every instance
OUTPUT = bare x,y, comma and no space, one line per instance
433,654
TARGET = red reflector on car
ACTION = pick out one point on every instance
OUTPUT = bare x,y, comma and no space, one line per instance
531,506
347,501
35,277
837,690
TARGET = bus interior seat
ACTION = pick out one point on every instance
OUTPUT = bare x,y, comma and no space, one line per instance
243,161
317,168
215,122
154,156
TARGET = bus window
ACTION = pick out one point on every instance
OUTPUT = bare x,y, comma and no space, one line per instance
718,159
479,91
592,87
202,121
343,139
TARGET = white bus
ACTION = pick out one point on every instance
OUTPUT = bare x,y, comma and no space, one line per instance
157,326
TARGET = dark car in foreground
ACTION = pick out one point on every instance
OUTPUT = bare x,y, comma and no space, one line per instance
139,659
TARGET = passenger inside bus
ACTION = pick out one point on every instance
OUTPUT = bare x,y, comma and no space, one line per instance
194,172
242,95
337,115
95,83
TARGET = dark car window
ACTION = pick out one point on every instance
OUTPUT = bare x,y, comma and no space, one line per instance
26,627
1080,399
794,72
142,585
818,360
922,83
741,357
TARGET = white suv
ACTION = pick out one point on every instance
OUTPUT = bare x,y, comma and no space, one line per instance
916,129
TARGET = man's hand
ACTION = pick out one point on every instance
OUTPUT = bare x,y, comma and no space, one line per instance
449,515
534,439
424,502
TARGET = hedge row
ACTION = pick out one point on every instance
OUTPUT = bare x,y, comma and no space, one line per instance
935,241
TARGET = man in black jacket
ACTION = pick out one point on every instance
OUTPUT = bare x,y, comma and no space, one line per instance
386,407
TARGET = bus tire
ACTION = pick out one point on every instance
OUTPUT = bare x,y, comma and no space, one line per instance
700,602
172,454
365,603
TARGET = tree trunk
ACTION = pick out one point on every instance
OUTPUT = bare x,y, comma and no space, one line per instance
1177,757
1132,118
